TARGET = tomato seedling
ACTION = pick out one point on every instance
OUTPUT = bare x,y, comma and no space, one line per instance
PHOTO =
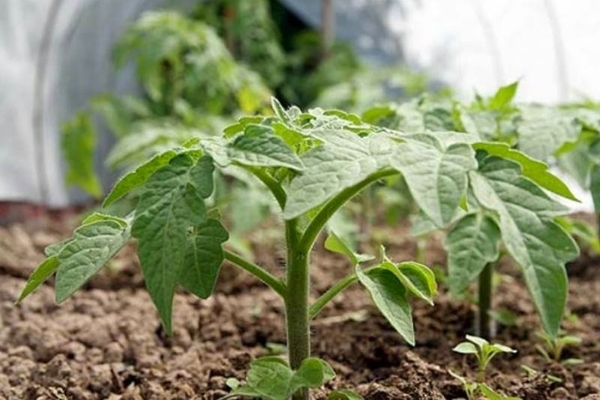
313,163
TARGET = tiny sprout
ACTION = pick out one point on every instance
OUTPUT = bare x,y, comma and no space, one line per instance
552,348
474,390
483,350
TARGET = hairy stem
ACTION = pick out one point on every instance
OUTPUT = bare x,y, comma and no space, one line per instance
274,186
296,303
485,328
261,274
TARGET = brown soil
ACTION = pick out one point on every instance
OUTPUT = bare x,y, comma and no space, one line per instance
106,342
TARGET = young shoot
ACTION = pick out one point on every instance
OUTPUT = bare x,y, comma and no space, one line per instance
483,351
552,347
475,390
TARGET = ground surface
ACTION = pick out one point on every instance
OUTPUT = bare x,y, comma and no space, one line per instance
106,342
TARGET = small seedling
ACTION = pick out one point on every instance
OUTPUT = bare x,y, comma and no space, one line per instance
474,390
483,350
552,347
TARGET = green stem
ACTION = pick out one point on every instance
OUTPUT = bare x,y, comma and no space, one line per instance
326,297
274,186
484,322
318,222
260,273
296,303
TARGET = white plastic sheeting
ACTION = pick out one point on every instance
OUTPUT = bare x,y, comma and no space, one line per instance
41,89
551,46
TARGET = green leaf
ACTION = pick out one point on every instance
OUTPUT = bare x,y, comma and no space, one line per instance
148,139
418,279
490,394
465,348
203,258
471,244
42,272
503,96
78,142
344,160
543,130
390,297
536,242
280,112
535,170
138,177
170,205
344,394
259,146
92,246
335,244
271,378
436,177
55,248
313,373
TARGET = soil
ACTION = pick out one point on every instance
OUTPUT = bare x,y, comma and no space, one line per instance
107,343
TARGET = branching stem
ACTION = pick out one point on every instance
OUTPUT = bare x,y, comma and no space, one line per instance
260,273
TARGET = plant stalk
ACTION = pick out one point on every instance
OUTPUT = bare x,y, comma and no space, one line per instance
261,274
296,303
485,328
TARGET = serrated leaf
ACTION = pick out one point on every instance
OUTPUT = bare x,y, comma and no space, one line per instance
42,272
535,170
543,130
390,297
78,141
170,205
203,258
92,246
280,112
259,146
436,177
536,242
271,378
344,160
471,244
138,176
98,216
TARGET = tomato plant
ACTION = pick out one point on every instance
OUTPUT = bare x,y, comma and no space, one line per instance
313,163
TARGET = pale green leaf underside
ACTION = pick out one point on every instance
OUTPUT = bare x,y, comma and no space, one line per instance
535,170
544,130
170,205
436,177
536,243
390,297
92,246
471,244
344,160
